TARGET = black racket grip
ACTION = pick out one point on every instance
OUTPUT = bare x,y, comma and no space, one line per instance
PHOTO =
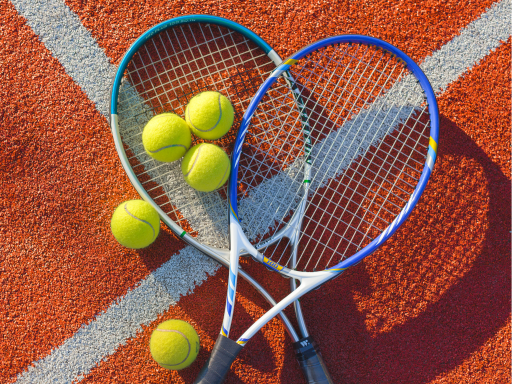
311,362
217,367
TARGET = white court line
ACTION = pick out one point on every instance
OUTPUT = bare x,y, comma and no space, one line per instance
72,44
95,341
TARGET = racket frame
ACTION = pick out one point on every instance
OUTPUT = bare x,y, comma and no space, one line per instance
311,280
218,254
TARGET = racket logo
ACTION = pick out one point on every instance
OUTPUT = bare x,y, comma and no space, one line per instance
273,265
304,343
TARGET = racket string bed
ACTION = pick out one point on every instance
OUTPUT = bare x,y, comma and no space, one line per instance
193,58
183,80
351,198
375,97
336,102
196,57
309,111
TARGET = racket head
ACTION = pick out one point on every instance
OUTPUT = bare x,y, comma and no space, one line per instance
341,170
161,71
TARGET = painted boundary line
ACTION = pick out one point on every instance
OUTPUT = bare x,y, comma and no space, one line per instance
72,44
463,52
94,342
61,31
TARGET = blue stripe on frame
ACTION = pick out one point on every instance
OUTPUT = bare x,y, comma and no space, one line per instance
231,293
229,307
433,155
434,133
171,23
232,278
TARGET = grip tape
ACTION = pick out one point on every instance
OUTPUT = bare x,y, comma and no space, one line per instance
311,362
217,367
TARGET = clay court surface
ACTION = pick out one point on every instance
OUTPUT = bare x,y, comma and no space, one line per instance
431,306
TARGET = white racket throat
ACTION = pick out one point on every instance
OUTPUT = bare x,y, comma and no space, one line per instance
308,280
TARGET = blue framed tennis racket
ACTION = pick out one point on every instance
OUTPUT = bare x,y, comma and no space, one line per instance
322,196
162,70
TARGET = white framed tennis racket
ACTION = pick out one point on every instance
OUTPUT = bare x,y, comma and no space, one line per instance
161,72
322,196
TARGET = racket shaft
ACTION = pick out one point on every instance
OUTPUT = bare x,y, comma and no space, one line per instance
298,311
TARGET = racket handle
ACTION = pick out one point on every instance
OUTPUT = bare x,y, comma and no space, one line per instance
311,362
217,367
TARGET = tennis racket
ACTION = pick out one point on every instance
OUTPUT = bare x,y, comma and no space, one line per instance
161,72
322,196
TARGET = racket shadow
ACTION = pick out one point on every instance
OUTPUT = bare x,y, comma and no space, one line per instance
371,337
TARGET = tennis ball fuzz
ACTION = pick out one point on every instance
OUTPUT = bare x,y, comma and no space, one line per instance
205,167
174,344
209,115
135,224
166,137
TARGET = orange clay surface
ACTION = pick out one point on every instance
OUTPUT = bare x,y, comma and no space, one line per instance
431,306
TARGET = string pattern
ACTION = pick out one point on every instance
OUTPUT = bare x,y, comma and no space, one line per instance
164,74
338,180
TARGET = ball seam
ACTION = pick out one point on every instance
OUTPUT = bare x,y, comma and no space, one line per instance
220,182
194,163
212,128
188,343
168,146
136,218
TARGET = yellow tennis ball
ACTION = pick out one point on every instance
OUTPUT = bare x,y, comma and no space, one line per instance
205,167
174,344
135,224
209,115
166,137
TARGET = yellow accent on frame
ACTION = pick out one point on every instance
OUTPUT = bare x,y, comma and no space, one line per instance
233,211
433,144
272,263
290,61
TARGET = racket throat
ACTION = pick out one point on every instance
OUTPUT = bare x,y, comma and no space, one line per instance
291,230
308,284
